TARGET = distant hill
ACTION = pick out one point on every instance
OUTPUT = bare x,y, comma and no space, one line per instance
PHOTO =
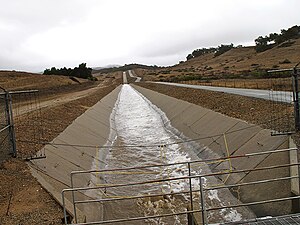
106,67
125,68
239,62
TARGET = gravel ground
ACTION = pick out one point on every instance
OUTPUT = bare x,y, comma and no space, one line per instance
22,199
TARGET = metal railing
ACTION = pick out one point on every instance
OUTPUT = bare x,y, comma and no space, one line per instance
201,207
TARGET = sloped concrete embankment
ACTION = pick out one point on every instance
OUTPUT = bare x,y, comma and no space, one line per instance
93,128
197,122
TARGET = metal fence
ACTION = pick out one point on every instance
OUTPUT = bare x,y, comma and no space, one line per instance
197,207
21,128
282,87
28,123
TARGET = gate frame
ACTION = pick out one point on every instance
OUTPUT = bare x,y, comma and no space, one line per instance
9,120
9,116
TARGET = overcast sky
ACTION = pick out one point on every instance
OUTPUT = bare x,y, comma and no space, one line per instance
39,34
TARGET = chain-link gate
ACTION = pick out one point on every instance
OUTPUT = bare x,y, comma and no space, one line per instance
284,96
20,125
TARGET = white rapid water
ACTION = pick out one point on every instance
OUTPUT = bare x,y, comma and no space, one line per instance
139,123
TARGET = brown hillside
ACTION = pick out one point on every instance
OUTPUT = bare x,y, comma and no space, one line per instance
12,80
238,61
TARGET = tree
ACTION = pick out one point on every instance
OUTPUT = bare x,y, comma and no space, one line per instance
81,71
223,48
267,42
262,44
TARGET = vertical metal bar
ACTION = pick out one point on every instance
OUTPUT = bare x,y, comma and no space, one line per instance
296,99
64,206
299,185
73,199
12,125
191,193
203,210
10,122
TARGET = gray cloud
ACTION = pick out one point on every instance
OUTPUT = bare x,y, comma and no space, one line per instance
37,34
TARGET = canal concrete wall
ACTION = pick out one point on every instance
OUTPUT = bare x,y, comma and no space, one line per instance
220,135
67,154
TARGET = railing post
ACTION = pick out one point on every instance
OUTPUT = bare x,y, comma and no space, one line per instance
202,200
191,194
294,172
73,199
64,206
296,99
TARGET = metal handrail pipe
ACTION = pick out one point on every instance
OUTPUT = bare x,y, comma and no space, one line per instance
131,197
250,170
139,218
23,92
252,183
4,128
181,163
180,178
187,212
185,192
19,92
254,203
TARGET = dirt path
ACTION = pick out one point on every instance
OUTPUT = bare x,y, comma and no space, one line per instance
60,99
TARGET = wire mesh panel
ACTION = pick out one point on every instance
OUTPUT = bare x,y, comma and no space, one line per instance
282,117
28,123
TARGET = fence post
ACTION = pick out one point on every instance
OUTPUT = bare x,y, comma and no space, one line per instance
10,122
296,99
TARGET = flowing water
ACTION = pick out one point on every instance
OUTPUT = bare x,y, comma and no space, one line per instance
141,130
